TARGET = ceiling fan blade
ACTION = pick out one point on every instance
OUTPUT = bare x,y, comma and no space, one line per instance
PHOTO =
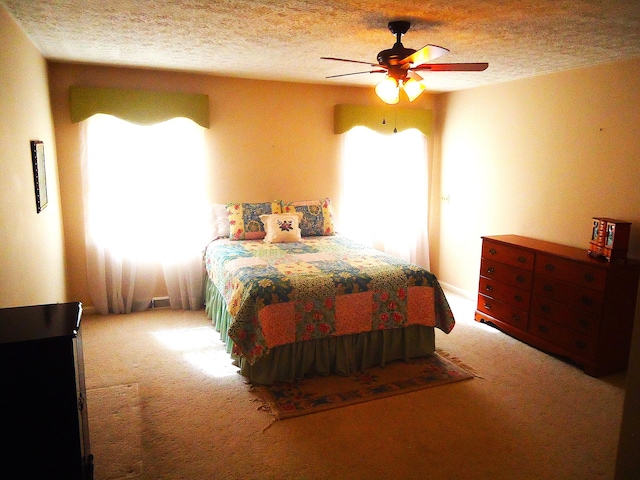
415,76
357,73
351,61
424,55
453,67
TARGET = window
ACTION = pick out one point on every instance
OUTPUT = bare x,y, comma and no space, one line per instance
145,203
384,192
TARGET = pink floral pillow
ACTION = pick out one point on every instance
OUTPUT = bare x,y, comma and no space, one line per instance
244,219
317,216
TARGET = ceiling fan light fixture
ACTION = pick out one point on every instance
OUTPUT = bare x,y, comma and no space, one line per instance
413,88
388,91
401,65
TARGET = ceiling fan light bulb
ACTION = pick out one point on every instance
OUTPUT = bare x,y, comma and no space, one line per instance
388,91
413,89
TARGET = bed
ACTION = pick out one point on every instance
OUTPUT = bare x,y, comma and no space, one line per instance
288,302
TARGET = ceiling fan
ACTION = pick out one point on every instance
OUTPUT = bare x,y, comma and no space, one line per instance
400,64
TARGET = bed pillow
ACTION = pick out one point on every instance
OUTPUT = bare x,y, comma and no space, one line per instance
282,227
317,217
219,221
244,219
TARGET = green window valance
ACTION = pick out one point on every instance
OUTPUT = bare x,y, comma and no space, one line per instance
138,106
382,119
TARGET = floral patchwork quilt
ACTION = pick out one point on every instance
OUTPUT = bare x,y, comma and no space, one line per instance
279,293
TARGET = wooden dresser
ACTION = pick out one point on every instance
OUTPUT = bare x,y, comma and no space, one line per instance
560,300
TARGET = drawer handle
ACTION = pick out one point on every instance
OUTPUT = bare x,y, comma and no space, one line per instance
589,277
491,270
550,267
543,328
492,251
548,288
518,298
584,323
489,288
581,345
487,306
520,279
545,308
516,317
522,260
585,300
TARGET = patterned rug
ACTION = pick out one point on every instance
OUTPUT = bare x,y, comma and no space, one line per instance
315,394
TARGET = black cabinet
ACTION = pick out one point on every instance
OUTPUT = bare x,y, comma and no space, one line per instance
44,430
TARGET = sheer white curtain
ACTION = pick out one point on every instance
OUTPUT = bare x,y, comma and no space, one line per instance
384,195
145,212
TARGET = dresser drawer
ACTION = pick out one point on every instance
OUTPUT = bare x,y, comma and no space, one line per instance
505,293
506,274
573,342
503,311
575,296
570,271
563,314
514,256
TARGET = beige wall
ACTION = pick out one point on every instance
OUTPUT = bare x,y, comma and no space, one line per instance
537,157
32,266
540,157
268,140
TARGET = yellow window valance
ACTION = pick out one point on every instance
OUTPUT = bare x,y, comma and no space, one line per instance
382,119
138,106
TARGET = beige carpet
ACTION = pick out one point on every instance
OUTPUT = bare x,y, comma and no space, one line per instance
115,431
527,415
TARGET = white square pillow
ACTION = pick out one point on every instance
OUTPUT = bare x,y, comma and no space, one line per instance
282,227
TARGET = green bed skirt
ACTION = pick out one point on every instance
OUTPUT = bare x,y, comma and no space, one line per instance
333,355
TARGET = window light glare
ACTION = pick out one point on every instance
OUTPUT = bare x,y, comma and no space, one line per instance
200,348
131,212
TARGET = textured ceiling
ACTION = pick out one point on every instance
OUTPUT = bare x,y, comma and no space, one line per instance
284,39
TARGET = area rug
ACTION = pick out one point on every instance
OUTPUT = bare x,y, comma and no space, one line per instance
115,431
316,394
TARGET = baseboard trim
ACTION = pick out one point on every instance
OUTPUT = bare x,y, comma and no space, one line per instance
458,291
156,302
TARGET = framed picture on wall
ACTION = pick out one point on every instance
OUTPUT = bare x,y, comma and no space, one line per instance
39,174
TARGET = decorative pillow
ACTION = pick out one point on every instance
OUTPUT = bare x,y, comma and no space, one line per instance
219,221
317,217
282,227
244,219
